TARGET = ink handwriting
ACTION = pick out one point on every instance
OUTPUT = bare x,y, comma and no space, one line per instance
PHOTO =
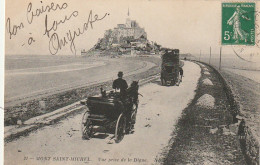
55,24
13,29
56,42
36,13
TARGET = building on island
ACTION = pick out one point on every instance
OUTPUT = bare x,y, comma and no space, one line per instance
127,38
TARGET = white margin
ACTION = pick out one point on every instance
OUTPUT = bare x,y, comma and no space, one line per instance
2,54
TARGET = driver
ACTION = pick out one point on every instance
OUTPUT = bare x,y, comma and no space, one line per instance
120,83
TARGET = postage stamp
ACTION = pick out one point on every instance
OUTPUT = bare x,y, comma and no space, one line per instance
238,24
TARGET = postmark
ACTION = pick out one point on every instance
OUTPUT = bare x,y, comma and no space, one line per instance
238,24
250,53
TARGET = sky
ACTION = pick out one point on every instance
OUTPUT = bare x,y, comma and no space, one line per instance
191,26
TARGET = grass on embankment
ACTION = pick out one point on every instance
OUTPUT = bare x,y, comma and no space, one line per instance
201,135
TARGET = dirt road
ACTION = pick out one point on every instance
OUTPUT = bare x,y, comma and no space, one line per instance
157,115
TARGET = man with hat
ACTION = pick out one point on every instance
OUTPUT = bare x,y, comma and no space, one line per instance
120,83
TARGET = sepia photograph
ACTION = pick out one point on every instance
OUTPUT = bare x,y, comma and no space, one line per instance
140,82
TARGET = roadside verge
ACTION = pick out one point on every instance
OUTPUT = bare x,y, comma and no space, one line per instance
249,143
206,134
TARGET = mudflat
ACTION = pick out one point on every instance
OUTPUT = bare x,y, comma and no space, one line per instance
23,78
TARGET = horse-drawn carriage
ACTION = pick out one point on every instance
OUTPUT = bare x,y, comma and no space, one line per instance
170,67
112,111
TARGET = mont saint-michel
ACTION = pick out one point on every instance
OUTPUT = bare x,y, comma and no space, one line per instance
125,39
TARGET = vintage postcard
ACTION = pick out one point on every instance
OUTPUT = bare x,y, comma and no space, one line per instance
139,82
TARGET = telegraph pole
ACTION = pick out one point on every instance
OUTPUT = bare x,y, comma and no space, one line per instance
220,52
209,55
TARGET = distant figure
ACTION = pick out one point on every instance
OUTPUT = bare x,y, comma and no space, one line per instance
242,129
181,73
120,83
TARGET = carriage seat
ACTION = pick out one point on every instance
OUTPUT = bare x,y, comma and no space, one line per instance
96,98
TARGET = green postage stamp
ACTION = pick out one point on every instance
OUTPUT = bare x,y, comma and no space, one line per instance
238,24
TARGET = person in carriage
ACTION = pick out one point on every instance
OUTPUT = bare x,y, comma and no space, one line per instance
120,83
129,96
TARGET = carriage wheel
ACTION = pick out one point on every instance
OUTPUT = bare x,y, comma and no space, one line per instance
120,128
133,115
173,82
163,82
86,127
135,105
133,120
178,80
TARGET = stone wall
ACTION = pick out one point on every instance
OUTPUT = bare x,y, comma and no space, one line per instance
36,107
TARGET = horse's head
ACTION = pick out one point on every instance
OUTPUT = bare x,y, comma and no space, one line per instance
135,84
133,91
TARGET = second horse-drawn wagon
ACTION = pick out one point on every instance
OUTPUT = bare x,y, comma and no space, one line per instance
170,67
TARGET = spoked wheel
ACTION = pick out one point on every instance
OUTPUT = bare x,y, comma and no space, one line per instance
120,128
178,80
133,115
86,127
173,83
163,82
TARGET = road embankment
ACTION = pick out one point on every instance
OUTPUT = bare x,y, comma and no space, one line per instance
206,133
246,98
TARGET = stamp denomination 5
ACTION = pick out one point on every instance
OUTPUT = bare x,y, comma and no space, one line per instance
238,24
